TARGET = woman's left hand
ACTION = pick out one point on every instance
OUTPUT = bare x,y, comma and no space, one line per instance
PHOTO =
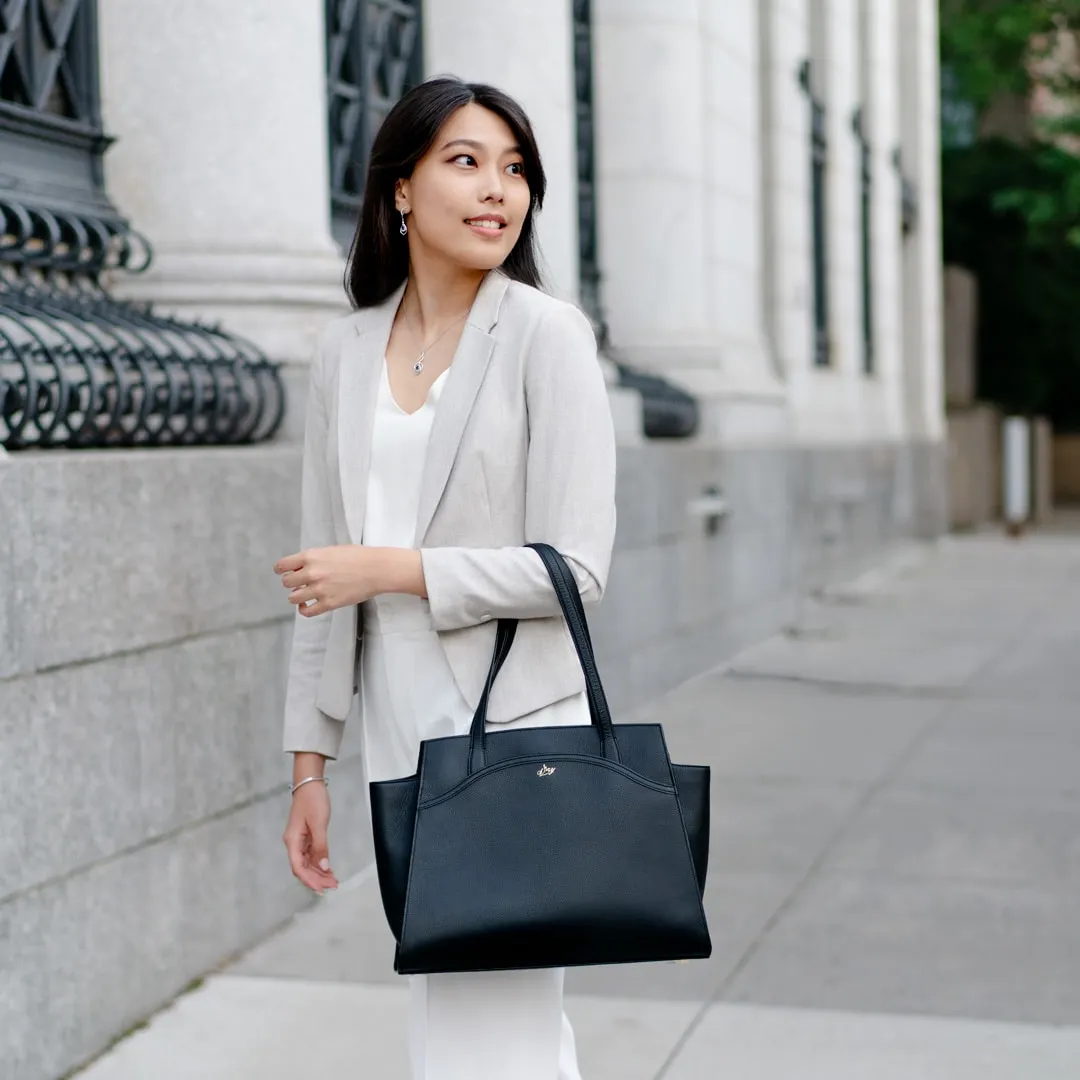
331,577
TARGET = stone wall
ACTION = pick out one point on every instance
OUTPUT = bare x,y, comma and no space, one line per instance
143,645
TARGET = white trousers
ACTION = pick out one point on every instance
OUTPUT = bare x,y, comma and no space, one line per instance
479,1026
504,1025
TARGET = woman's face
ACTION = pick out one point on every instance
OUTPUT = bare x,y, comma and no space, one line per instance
467,198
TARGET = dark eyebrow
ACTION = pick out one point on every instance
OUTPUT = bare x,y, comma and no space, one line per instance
474,145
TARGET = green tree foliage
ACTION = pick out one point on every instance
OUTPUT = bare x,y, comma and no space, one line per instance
1012,207
996,48
986,44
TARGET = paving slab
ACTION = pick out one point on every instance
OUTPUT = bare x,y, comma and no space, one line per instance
242,1028
885,943
788,1044
890,659
1039,664
983,718
779,729
620,1039
1039,769
342,938
943,836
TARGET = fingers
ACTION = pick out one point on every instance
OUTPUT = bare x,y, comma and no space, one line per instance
295,579
302,580
291,562
308,603
319,853
305,866
305,840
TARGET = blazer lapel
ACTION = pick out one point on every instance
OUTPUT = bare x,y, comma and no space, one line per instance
359,369
466,376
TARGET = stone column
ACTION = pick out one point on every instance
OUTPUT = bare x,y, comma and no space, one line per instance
221,161
534,63
881,76
922,266
680,204
921,158
526,49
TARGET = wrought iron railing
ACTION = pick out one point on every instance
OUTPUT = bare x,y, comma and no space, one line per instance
80,369
77,367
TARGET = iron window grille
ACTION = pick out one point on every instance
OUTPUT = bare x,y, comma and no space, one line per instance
374,54
819,157
51,141
588,247
78,368
866,253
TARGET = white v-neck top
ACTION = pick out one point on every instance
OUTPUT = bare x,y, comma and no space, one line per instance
408,689
398,447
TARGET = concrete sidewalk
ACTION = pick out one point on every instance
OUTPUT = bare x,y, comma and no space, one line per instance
895,865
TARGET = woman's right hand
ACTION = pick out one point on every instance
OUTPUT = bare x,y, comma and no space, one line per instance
305,837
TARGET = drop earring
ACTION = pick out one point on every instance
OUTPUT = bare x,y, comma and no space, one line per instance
404,228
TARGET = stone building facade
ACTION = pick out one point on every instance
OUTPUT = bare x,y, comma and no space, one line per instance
744,197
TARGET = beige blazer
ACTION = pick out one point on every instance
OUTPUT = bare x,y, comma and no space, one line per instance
522,449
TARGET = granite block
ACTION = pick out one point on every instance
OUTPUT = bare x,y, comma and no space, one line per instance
95,952
141,548
16,551
133,747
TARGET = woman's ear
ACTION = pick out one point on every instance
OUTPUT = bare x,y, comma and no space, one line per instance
401,196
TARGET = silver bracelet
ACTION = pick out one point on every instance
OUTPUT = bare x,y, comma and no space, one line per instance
307,780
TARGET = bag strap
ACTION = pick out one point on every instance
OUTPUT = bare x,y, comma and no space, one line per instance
566,588
566,591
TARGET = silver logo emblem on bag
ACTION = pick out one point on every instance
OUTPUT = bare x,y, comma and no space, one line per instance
545,770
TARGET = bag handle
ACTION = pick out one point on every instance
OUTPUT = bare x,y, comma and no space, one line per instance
566,591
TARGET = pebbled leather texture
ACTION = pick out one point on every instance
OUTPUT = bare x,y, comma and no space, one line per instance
545,847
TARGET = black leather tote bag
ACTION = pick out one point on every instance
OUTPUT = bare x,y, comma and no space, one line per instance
544,847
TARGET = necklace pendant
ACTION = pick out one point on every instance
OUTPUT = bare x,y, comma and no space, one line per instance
419,365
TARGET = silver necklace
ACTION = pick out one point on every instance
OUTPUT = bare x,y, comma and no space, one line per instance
418,363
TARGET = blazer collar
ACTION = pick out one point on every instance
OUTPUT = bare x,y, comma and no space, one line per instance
359,373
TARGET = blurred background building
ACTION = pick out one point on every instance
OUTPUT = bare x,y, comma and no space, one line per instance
744,196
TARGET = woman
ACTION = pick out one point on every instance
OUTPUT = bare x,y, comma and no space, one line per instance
457,414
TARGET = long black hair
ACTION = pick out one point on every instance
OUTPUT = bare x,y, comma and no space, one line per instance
379,256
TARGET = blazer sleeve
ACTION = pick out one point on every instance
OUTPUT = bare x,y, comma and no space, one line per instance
306,727
569,497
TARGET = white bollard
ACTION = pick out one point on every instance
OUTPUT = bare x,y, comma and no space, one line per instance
1016,472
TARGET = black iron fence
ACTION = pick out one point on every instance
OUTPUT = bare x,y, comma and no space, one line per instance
77,367
80,369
